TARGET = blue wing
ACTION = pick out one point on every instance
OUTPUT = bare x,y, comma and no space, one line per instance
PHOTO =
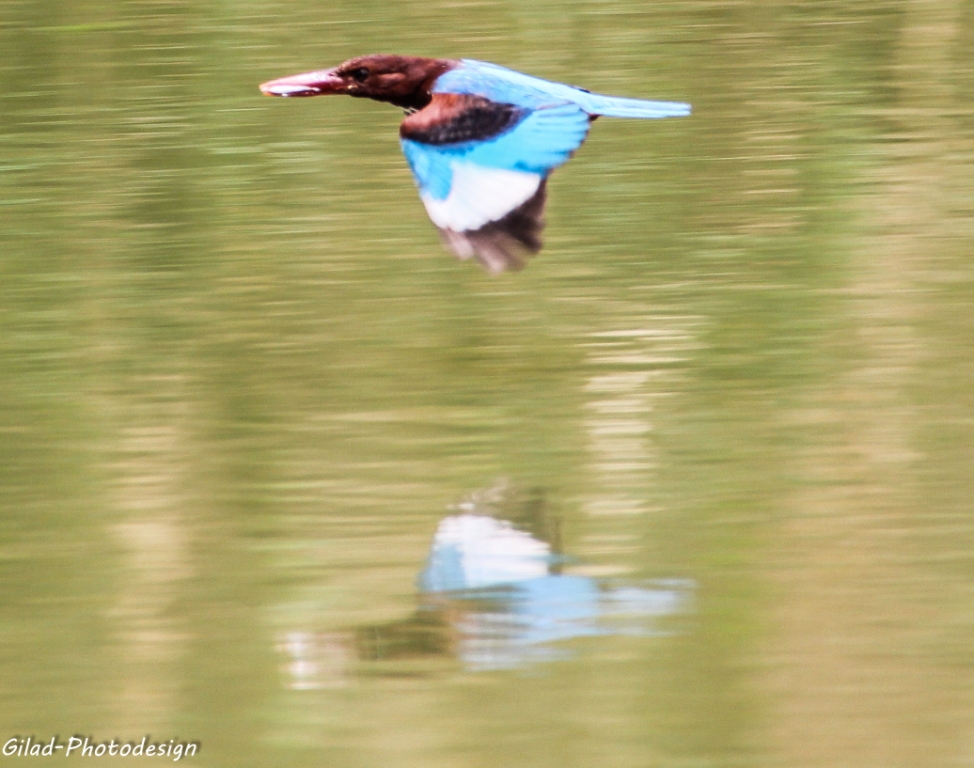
487,196
507,86
540,142
483,148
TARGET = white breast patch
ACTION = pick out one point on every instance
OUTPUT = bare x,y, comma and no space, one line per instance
479,195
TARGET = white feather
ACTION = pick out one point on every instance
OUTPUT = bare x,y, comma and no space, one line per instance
479,195
490,551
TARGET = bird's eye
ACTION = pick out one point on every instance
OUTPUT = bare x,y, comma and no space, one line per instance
360,75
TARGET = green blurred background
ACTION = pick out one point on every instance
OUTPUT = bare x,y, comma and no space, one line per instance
241,382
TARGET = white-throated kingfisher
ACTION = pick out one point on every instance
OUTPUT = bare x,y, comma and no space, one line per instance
480,140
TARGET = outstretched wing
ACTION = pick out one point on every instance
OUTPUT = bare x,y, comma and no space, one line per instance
505,85
481,168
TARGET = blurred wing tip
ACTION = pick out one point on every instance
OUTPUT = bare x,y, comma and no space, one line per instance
506,244
619,107
666,109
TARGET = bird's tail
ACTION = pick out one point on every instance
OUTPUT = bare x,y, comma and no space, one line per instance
614,106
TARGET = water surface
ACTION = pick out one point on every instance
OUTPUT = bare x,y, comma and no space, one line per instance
243,387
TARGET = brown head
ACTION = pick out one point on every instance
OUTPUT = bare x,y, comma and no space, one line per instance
401,80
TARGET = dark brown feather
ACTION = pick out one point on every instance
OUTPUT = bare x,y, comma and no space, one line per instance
453,118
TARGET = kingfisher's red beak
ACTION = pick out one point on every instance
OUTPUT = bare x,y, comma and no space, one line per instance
319,83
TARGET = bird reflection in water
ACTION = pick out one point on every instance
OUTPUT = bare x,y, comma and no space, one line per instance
494,595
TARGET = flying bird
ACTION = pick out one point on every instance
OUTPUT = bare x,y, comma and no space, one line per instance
480,140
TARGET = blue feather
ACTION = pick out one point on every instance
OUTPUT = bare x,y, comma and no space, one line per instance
541,142
430,167
504,85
